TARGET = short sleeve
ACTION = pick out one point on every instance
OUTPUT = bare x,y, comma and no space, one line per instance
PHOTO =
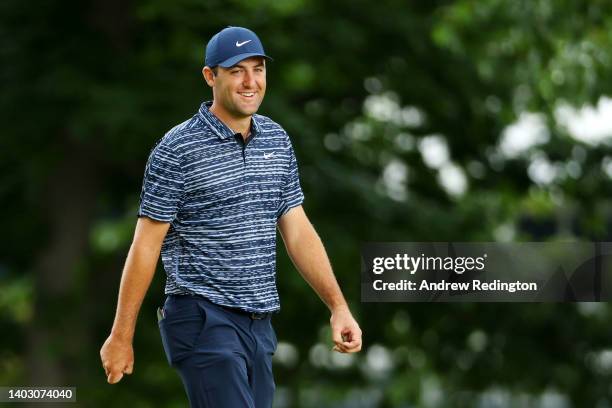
291,191
163,185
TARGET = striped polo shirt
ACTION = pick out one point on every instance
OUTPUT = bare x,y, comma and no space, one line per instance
222,198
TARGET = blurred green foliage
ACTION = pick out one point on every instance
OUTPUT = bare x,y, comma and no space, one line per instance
365,91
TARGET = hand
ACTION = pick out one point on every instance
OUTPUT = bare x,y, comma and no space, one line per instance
346,333
117,358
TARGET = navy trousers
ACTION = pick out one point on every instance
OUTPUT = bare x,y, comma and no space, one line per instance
223,356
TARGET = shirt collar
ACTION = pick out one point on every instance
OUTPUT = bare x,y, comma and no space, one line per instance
220,128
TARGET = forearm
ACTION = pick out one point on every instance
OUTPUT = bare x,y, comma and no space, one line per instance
135,281
308,254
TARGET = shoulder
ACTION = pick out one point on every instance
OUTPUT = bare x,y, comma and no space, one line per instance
268,125
272,129
181,134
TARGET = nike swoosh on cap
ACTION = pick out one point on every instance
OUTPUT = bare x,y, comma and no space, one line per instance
240,44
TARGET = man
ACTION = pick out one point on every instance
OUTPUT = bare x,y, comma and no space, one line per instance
215,189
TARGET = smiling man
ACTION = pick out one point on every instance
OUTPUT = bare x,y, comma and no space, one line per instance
215,189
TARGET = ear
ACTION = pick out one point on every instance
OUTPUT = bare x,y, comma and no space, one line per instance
209,77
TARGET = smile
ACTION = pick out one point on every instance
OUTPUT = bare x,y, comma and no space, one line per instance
247,94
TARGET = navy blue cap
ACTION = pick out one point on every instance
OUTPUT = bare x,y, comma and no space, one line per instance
231,45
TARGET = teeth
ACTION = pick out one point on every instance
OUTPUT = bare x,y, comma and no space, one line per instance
246,93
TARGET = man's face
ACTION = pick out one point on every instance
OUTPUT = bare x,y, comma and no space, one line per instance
240,89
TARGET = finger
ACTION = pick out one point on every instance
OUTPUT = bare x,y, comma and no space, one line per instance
129,369
353,343
347,335
114,377
352,334
353,349
350,346
337,336
339,347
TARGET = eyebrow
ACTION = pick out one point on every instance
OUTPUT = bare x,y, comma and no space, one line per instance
261,64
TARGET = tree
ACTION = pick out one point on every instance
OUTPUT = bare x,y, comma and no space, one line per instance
367,94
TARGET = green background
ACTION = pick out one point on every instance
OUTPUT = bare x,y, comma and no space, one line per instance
401,114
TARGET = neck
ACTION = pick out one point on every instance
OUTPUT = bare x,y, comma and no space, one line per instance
240,125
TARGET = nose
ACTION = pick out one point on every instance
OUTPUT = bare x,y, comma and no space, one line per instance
248,80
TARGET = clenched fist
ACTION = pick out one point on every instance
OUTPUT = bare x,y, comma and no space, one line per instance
117,358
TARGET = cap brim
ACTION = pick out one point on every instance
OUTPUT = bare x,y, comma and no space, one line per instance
237,58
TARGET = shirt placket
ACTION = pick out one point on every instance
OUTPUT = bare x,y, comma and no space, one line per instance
246,151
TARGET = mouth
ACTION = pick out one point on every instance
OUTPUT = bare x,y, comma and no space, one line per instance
247,95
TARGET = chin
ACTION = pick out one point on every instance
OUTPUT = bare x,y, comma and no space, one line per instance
248,111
